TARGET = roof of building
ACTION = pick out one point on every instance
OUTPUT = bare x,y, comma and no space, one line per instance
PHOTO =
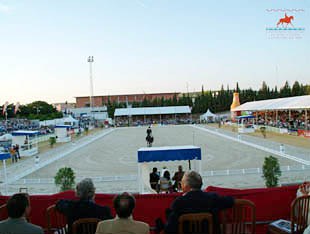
152,110
134,94
290,103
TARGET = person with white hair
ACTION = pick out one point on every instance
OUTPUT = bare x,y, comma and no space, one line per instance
85,207
194,200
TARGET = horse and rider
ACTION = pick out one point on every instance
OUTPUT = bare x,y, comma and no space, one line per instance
286,20
149,137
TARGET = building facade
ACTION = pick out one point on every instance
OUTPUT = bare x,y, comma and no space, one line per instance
122,98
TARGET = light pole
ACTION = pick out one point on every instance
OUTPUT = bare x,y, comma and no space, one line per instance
90,60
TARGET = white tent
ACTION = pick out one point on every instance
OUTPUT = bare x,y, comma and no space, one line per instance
290,103
6,137
166,153
61,121
27,140
208,116
69,120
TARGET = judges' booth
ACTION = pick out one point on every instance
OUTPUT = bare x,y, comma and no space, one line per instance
161,154
27,141
246,124
62,133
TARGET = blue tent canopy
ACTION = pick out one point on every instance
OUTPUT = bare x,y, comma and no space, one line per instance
63,126
4,156
246,117
25,133
171,153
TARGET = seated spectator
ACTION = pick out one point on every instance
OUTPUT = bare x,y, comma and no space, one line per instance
165,182
85,207
18,209
13,154
154,178
195,200
124,205
177,178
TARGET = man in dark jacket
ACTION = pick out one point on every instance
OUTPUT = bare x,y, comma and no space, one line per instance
85,207
194,200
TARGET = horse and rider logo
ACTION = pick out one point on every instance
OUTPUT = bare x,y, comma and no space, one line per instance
283,27
286,20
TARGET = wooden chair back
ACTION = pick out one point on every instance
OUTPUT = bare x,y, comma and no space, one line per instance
240,219
300,214
85,226
3,212
56,221
195,223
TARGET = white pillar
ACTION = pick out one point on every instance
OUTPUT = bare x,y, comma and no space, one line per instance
140,183
306,120
5,177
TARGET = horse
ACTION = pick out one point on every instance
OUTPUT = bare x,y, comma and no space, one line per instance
287,20
149,139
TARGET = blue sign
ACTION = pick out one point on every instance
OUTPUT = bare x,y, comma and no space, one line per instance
4,156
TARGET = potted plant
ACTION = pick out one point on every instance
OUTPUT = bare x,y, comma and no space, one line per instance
52,141
65,178
271,171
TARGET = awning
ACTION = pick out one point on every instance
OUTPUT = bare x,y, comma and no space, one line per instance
246,117
166,153
171,153
25,133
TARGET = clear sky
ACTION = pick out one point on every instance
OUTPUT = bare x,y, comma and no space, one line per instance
144,46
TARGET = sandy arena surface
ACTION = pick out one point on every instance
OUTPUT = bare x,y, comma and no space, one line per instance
116,155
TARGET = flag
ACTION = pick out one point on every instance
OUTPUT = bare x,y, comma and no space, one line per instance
4,107
16,107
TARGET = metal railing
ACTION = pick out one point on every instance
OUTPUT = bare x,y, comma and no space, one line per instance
120,178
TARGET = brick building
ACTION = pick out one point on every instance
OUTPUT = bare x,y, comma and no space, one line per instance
122,98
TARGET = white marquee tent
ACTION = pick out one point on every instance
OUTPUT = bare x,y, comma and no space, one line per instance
290,103
208,115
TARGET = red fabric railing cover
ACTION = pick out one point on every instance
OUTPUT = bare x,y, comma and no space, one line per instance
271,203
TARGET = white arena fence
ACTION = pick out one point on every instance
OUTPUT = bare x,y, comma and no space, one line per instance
45,137
120,178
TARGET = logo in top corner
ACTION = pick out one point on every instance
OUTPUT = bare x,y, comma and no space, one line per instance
283,27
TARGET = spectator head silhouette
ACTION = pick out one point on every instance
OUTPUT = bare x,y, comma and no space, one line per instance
18,205
180,168
124,204
191,181
85,189
167,175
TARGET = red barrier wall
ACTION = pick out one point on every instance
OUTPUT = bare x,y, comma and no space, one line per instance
271,203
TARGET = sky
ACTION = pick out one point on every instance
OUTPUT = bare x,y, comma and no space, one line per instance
146,46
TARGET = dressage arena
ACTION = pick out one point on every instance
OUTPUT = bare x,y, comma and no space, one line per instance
112,161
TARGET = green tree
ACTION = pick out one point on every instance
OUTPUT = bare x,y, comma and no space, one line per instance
285,91
271,171
65,178
296,89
